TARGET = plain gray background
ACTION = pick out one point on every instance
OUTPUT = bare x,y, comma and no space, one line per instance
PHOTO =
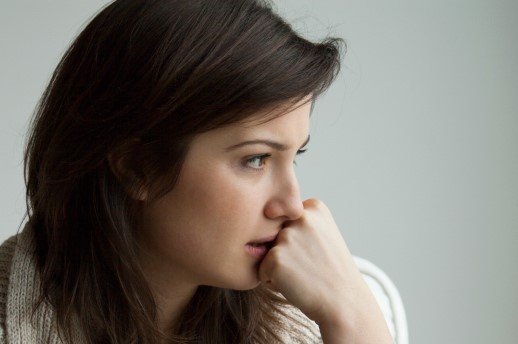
414,148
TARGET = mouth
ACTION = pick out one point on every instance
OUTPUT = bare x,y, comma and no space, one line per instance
258,249
267,244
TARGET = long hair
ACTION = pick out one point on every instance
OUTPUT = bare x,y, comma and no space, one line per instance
140,81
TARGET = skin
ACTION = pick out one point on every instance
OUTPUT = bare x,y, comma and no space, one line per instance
313,268
238,186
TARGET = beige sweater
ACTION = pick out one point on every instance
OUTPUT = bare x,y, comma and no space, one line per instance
19,287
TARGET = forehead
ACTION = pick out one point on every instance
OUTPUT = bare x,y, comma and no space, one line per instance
287,121
290,128
268,114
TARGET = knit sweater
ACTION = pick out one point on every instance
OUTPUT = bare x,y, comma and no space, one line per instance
19,292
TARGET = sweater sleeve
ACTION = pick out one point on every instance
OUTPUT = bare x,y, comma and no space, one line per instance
300,329
6,255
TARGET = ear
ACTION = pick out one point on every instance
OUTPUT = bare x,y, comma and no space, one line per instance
124,169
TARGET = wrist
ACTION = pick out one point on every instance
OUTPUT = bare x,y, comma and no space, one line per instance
359,321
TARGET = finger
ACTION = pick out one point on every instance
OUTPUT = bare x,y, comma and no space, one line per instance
270,286
266,281
310,202
268,268
315,204
264,272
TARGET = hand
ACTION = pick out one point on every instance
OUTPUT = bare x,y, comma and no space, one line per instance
310,263
312,267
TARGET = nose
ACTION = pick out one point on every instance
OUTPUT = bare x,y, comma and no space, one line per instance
285,201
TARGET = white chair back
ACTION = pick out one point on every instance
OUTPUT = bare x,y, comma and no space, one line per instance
388,299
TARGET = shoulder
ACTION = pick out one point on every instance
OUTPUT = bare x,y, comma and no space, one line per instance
299,328
7,250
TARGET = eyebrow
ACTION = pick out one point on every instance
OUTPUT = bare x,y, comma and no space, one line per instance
273,144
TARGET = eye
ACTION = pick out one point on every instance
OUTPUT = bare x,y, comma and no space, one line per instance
256,162
299,152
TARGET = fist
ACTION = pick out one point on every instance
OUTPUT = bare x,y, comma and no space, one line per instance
311,265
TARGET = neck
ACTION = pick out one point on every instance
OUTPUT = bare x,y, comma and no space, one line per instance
171,293
171,302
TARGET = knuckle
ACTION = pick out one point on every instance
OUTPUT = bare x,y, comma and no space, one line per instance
314,203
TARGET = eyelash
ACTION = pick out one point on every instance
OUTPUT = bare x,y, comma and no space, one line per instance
248,162
299,152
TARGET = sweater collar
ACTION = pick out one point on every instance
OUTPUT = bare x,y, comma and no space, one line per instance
23,324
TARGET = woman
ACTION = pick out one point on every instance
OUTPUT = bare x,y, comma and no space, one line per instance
162,202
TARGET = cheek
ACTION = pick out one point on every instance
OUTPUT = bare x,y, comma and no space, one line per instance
224,206
208,206
221,195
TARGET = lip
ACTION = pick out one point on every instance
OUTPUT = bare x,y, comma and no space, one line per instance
259,248
263,240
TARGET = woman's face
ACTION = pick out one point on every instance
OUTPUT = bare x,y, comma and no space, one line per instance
236,188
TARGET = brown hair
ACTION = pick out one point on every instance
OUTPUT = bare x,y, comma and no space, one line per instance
141,80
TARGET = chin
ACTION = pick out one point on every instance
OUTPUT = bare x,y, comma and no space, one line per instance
248,286
246,282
